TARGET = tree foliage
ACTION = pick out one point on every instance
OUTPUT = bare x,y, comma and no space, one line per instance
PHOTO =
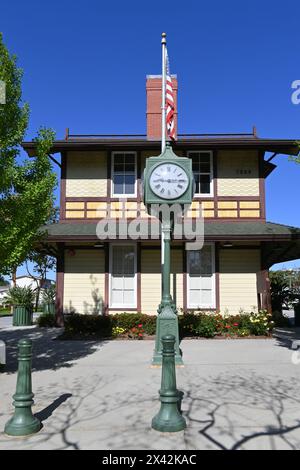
280,291
26,185
296,158
42,264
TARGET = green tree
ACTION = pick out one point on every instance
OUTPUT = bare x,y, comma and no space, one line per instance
42,264
26,185
3,282
281,293
294,158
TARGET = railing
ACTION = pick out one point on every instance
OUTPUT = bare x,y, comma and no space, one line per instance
69,136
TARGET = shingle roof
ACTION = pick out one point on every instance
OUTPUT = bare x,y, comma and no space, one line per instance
214,230
283,146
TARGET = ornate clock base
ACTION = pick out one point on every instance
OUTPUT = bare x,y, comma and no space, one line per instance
166,324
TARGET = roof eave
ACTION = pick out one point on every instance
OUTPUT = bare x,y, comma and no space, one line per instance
287,147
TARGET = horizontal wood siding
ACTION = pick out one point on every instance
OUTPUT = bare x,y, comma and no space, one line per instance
238,173
151,279
238,274
83,280
86,174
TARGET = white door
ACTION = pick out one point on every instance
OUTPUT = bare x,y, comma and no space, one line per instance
201,278
122,276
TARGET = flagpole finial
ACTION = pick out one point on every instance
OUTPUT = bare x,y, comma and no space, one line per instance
163,38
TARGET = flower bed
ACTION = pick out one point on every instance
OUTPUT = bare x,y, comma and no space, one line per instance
137,326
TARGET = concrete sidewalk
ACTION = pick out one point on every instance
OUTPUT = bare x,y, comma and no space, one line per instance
239,394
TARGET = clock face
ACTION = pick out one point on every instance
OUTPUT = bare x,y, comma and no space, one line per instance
169,181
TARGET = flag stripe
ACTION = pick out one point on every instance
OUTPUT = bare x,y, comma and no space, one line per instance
170,112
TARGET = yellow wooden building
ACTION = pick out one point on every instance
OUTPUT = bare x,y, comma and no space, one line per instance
101,179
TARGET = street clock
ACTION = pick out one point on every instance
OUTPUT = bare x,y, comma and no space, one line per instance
168,179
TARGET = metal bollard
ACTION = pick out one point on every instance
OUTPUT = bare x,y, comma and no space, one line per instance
23,422
168,419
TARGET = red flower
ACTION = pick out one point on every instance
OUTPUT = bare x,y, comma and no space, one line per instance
227,326
133,329
140,334
235,324
140,325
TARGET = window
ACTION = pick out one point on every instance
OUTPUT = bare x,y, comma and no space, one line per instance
122,276
201,278
203,172
124,174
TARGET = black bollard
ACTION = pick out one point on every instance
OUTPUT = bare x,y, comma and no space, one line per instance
168,419
23,422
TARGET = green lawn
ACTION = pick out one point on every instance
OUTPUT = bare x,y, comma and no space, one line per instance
5,312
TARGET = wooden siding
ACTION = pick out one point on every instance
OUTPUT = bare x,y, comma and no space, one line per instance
236,188
83,280
86,174
86,209
238,173
151,279
238,274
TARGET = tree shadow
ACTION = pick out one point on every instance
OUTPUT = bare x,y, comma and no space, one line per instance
111,406
47,351
285,336
232,412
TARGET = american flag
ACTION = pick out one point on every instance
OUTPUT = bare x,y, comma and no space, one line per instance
170,105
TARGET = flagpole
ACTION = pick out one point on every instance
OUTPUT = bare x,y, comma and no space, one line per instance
163,123
163,93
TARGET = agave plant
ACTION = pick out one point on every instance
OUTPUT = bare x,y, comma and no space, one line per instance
20,296
49,295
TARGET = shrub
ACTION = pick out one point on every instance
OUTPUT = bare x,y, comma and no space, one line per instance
86,325
281,293
132,320
48,295
117,331
260,323
207,326
243,332
23,296
47,320
198,324
279,319
188,323
136,325
136,332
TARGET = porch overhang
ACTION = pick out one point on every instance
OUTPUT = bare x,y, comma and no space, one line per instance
279,242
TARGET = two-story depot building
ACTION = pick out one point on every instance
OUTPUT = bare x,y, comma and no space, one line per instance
229,273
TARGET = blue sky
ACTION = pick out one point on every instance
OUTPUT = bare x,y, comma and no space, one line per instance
85,64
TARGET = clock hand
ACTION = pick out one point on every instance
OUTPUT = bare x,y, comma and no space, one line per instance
161,180
175,181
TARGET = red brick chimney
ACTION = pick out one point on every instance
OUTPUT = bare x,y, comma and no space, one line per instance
153,91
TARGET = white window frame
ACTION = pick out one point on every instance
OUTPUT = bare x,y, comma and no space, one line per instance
211,188
213,305
117,306
113,194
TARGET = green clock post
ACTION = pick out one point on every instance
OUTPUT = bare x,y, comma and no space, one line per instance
168,180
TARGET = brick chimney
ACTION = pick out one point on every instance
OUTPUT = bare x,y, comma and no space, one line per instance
153,91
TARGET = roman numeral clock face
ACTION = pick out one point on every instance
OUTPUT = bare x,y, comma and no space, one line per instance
169,181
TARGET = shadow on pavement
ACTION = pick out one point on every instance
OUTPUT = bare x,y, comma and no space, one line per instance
47,353
47,412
